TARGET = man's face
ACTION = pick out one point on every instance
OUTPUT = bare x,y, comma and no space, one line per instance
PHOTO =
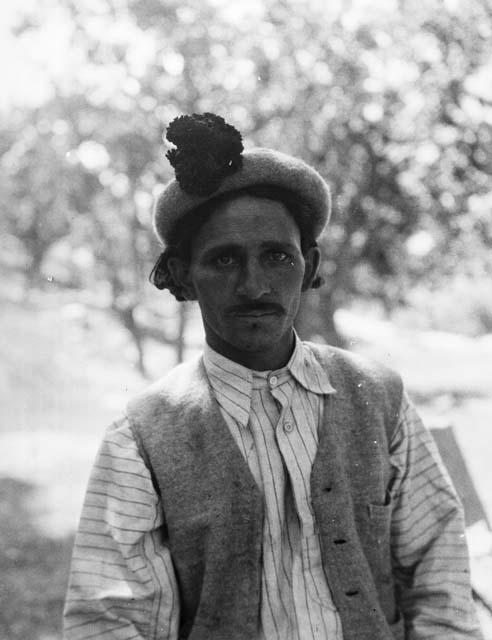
247,272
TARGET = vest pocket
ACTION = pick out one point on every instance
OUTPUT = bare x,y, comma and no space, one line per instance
380,522
378,553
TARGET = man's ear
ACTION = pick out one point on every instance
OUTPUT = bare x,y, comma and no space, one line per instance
312,258
180,272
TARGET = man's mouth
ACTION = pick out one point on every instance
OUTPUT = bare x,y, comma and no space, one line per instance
257,310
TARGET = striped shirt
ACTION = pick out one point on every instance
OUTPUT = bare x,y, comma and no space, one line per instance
122,583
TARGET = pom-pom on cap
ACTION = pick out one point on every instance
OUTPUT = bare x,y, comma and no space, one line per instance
207,150
219,168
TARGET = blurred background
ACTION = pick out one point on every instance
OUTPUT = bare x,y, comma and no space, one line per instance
391,100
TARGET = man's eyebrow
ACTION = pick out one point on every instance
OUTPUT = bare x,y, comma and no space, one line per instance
222,248
279,245
232,247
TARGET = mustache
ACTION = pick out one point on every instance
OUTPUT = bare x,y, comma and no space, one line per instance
255,307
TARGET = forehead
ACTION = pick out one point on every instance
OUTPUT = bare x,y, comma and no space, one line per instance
246,219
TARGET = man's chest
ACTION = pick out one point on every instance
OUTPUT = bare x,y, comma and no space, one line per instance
279,444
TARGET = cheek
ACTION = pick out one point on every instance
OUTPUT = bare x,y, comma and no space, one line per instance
289,282
212,289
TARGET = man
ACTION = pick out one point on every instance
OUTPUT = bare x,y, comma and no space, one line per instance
271,489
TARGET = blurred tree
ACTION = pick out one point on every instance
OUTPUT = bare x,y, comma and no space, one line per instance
390,104
42,192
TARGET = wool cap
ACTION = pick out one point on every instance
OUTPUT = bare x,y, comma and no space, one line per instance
257,166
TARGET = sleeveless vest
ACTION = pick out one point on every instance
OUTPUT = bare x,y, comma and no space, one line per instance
213,508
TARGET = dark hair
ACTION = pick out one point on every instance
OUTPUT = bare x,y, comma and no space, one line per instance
186,229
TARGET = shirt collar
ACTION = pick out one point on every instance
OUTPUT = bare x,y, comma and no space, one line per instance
232,383
307,370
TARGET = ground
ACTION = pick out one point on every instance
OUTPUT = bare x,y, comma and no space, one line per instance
66,373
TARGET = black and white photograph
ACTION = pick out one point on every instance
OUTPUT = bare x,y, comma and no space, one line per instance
246,320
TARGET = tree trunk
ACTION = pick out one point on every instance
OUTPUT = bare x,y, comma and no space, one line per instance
33,272
180,340
330,332
127,319
315,320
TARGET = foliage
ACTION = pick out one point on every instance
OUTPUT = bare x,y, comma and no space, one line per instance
390,101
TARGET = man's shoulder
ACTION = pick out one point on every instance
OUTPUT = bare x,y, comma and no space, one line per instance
341,362
180,387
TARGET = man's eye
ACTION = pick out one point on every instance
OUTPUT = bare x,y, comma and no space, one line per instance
279,256
225,260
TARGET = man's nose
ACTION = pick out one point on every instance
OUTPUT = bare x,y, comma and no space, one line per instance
253,282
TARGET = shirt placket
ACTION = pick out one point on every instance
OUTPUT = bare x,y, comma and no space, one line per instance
312,597
276,577
288,442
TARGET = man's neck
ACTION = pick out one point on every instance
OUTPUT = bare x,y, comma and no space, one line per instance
265,360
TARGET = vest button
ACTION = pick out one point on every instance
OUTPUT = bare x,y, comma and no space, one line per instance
288,427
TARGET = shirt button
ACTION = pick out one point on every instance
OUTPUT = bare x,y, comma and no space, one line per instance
273,381
288,427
